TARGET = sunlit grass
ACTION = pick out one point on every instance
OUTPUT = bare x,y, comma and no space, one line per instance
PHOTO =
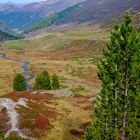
58,39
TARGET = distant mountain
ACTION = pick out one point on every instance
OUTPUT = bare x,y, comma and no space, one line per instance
6,34
21,16
102,11
8,7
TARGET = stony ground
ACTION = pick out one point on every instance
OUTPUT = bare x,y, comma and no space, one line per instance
49,116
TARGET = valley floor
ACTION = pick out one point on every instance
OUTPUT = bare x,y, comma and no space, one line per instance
73,56
72,72
53,117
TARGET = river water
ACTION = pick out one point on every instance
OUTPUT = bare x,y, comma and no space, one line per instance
30,77
25,68
11,106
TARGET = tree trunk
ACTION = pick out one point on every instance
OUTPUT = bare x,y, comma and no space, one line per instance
125,97
116,110
116,103
106,123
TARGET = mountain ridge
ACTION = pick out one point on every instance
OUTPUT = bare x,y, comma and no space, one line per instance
6,34
32,12
94,11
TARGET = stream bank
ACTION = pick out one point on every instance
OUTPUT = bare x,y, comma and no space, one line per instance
25,68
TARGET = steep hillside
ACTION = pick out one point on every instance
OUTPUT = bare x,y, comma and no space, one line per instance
91,11
26,15
23,19
6,34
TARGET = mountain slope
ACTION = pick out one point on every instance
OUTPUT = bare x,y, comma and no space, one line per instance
26,15
6,34
102,11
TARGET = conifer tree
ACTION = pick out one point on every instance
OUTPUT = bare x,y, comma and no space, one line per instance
117,107
38,83
45,79
42,81
55,82
19,83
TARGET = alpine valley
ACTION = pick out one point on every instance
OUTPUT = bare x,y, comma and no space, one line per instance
49,66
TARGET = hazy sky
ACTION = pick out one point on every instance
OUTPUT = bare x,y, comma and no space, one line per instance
19,1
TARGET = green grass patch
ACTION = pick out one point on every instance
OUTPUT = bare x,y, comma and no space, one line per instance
78,89
78,33
18,45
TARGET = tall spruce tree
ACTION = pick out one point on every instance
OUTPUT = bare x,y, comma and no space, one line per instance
42,81
46,83
117,106
55,82
38,83
19,83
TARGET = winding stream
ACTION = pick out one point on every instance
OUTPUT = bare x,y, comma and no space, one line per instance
11,106
25,68
30,77
71,81
28,74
